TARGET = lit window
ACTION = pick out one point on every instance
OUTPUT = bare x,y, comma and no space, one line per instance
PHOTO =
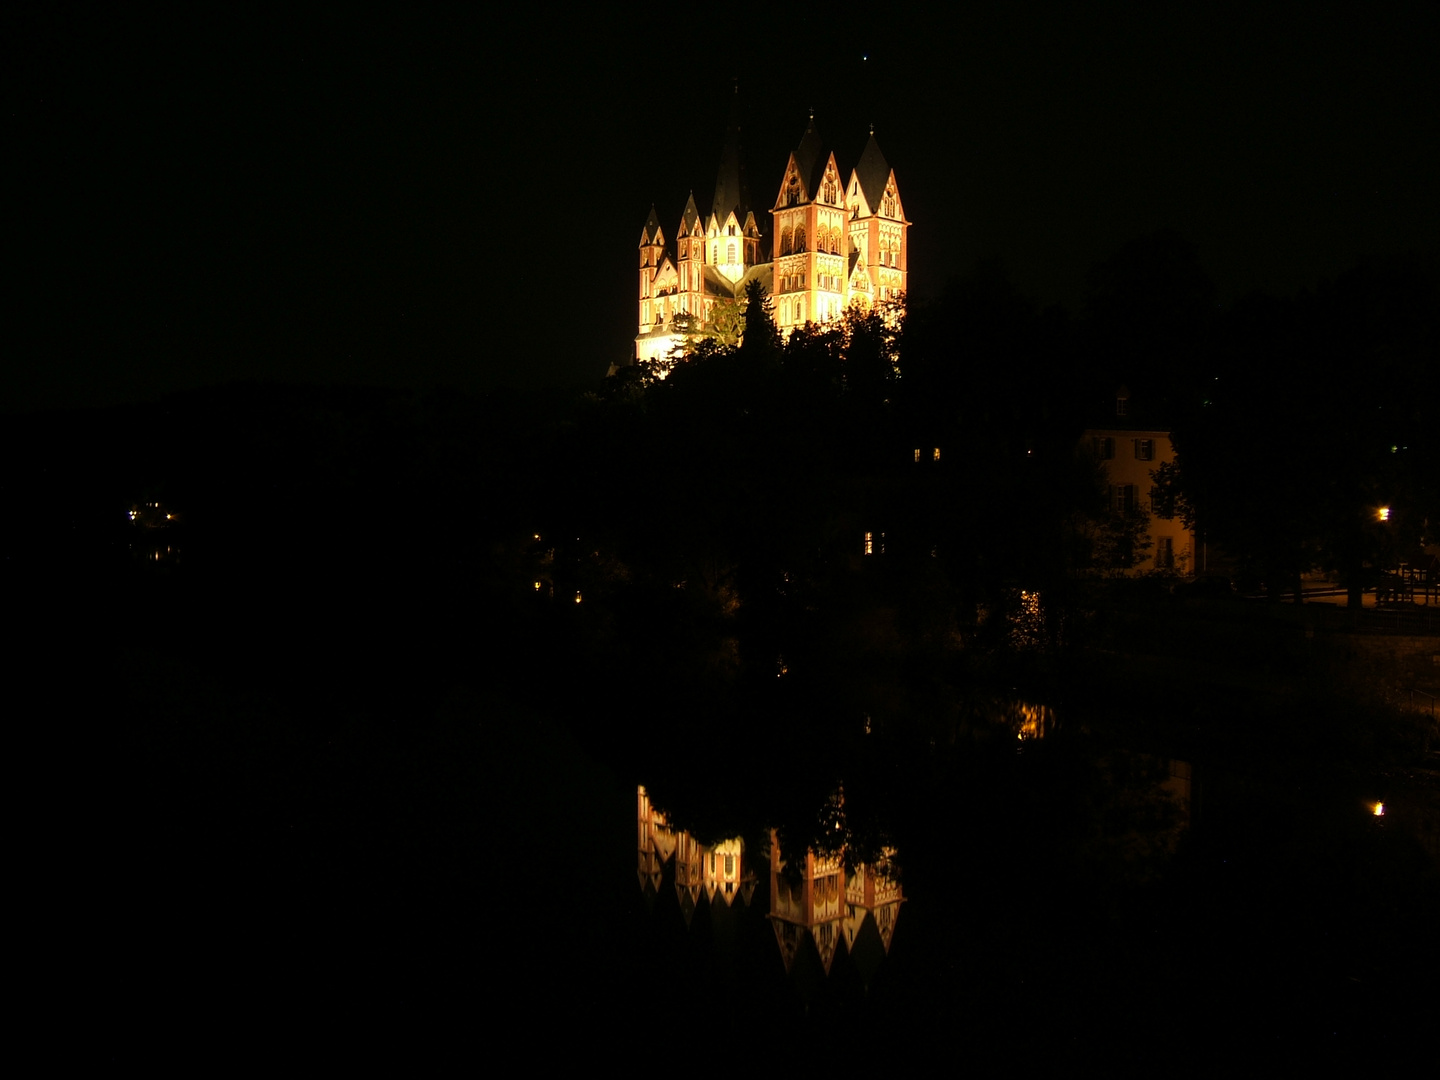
935,454
917,455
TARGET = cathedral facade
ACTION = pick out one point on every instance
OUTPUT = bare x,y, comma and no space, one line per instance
827,242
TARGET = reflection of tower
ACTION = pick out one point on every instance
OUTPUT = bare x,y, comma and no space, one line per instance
717,870
817,904
657,844
689,860
722,869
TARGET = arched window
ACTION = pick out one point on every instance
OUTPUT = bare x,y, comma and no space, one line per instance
799,238
787,242
730,252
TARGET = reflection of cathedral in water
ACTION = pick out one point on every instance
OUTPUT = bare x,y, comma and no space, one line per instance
830,903
717,870
817,898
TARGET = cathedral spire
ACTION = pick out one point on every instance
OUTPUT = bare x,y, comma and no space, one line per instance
873,171
809,155
731,191
651,230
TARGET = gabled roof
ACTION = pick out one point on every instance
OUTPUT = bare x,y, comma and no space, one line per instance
873,172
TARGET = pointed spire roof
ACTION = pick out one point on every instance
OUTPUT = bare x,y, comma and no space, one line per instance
690,217
731,190
651,229
810,156
873,172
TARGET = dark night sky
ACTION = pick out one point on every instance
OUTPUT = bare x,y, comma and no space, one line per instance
261,195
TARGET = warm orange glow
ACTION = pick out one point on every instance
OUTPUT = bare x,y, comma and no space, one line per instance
1384,513
577,596
1378,809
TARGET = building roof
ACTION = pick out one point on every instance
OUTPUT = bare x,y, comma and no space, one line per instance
651,229
690,218
810,158
731,190
873,172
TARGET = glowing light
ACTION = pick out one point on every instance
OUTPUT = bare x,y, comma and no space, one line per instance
1378,809
577,596
1384,513
537,586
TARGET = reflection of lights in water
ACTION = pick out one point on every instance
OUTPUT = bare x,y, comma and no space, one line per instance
1035,720
1027,629
1378,809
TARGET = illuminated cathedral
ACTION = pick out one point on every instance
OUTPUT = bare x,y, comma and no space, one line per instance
829,242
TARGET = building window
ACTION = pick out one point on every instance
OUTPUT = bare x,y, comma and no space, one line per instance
1104,447
1144,449
1123,497
1165,553
730,230
1122,406
917,455
730,258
